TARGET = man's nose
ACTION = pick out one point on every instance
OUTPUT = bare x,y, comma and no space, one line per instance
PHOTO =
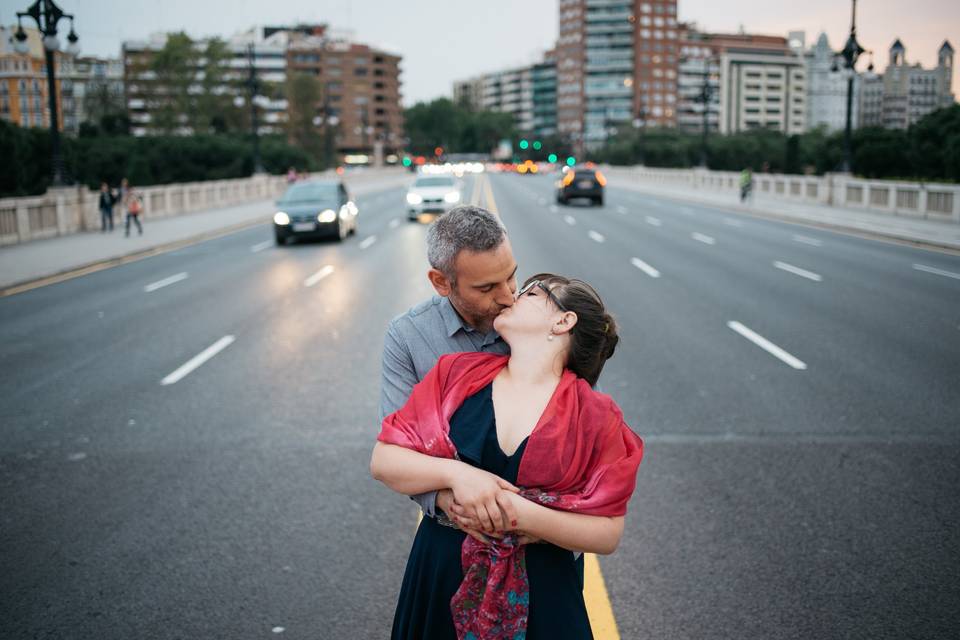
505,296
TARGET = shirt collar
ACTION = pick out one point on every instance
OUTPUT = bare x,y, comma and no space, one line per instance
453,322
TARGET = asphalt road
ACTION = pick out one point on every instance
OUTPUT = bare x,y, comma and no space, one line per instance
809,494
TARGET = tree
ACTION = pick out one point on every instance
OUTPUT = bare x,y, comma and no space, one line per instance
175,69
215,110
304,98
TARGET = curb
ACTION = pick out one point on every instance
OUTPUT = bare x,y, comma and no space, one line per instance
100,265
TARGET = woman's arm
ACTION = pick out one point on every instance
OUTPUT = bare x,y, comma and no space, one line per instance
573,531
411,472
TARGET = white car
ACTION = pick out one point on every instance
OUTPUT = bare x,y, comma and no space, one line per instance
433,194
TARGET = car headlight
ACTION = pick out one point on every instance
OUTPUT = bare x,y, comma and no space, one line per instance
327,215
453,196
413,198
281,218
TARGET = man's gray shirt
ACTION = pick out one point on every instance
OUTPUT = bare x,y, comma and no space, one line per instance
414,342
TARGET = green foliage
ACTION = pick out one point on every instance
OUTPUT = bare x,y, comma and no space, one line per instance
304,103
441,123
145,161
929,150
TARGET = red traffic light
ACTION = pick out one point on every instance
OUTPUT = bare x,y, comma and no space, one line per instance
438,151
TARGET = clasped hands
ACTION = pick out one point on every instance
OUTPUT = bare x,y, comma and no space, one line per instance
483,505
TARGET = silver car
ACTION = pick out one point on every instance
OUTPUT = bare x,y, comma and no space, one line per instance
433,194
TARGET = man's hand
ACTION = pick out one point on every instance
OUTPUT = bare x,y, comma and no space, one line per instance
445,502
475,496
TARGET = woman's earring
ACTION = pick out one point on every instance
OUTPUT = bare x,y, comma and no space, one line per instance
550,336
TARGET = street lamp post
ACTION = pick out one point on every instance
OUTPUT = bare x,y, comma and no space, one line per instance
706,95
851,52
46,14
253,86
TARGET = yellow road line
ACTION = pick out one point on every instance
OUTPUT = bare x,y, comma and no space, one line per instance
491,203
602,622
475,194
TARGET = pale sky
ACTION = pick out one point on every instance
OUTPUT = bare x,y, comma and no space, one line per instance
445,41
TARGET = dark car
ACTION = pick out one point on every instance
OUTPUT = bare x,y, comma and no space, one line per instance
581,182
315,209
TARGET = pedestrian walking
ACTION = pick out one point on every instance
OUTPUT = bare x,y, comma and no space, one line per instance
133,204
746,184
546,480
107,199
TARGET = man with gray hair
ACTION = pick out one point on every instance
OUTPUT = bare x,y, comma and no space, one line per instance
473,271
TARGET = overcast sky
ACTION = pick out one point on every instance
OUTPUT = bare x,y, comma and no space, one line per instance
444,41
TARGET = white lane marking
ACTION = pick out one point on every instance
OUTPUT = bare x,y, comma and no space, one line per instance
654,221
159,284
699,237
643,266
318,276
767,346
622,210
730,222
367,242
198,360
261,246
813,242
939,272
596,237
569,220
394,223
554,208
803,273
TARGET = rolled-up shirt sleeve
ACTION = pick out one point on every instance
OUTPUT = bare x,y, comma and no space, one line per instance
397,380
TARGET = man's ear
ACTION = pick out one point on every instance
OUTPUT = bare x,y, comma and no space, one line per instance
440,282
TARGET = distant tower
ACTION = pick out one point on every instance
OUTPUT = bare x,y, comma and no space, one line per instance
897,53
945,55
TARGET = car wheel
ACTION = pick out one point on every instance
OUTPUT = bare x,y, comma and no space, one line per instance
599,201
280,238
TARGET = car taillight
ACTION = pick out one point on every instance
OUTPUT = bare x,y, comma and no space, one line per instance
601,179
568,179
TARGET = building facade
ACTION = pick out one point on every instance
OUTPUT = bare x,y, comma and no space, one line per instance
23,81
910,92
361,90
544,79
469,93
827,88
85,82
762,89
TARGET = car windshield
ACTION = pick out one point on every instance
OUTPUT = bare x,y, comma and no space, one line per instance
310,192
435,181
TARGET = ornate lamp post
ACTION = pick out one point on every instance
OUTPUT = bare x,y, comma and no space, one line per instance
705,97
254,86
851,52
46,14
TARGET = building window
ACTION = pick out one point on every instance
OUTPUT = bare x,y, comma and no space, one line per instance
360,71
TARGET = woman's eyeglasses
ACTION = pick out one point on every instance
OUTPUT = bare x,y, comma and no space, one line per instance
541,285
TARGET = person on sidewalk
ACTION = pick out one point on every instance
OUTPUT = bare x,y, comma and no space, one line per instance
133,203
746,184
107,200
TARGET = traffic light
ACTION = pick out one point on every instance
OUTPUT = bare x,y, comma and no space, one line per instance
438,151
407,161
571,161
536,145
552,157
524,144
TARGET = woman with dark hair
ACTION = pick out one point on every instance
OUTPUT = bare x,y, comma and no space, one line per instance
523,434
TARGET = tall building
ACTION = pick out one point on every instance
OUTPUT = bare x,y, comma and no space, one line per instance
361,89
910,91
827,84
23,81
544,79
699,71
763,88
144,99
870,100
615,59
86,81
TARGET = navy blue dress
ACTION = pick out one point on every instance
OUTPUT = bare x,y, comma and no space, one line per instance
434,572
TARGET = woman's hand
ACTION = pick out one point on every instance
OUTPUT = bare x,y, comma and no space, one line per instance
475,494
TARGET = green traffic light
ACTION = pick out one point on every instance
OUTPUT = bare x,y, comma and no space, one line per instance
552,157
536,145
571,161
524,144
407,162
